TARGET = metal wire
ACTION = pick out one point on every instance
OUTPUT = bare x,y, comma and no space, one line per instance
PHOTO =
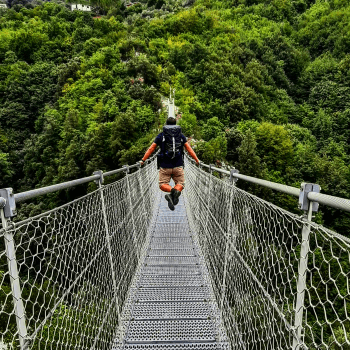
252,250
72,291
171,300
279,280
331,201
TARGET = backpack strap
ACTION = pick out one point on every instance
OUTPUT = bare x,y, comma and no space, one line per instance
182,151
163,144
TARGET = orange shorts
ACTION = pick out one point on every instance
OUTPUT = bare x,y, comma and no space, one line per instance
177,174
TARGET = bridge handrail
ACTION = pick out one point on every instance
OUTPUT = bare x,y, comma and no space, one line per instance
20,197
331,201
100,227
253,247
23,196
293,191
8,199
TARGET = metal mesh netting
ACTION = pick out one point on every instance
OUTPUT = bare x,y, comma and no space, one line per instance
252,249
75,265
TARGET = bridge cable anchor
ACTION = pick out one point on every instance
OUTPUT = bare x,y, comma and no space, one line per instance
233,179
304,201
309,207
8,211
8,202
101,180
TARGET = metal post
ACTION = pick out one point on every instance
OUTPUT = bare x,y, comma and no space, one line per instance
207,215
143,198
131,210
143,194
309,207
228,239
146,198
108,237
14,280
233,179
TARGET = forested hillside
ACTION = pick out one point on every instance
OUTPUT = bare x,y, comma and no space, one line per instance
262,85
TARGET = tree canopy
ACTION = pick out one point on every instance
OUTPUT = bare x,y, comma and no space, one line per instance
261,85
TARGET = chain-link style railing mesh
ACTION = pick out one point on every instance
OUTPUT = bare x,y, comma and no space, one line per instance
76,263
252,249
75,266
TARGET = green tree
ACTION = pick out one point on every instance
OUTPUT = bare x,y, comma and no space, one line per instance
212,129
275,146
234,139
249,163
213,151
188,123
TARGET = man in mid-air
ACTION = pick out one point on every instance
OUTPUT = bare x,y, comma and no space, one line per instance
171,160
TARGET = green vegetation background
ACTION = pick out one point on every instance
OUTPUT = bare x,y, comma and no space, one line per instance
262,85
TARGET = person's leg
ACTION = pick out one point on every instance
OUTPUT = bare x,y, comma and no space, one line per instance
179,179
164,179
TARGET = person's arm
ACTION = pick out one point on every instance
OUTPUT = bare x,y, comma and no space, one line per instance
149,152
191,152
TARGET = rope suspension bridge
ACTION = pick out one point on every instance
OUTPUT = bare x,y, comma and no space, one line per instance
116,269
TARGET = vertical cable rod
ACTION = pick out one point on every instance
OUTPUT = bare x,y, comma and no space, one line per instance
14,280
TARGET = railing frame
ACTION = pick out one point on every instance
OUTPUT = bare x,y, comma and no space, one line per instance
99,182
309,199
8,202
10,251
134,234
315,197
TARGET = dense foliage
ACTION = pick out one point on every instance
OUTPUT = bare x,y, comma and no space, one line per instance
263,85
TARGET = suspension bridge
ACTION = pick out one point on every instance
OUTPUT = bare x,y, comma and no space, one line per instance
116,269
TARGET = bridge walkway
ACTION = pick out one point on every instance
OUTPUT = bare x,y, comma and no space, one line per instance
171,304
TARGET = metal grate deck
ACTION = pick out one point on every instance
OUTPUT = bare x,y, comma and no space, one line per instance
171,281
172,260
170,331
172,252
172,305
175,239
179,294
195,346
172,270
171,310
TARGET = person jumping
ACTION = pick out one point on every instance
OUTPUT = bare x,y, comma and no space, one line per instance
171,160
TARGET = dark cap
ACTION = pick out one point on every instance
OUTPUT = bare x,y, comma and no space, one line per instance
171,121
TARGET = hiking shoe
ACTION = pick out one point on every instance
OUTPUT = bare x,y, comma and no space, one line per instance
169,198
175,194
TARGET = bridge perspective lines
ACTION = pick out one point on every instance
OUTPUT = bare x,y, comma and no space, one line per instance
172,304
117,270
